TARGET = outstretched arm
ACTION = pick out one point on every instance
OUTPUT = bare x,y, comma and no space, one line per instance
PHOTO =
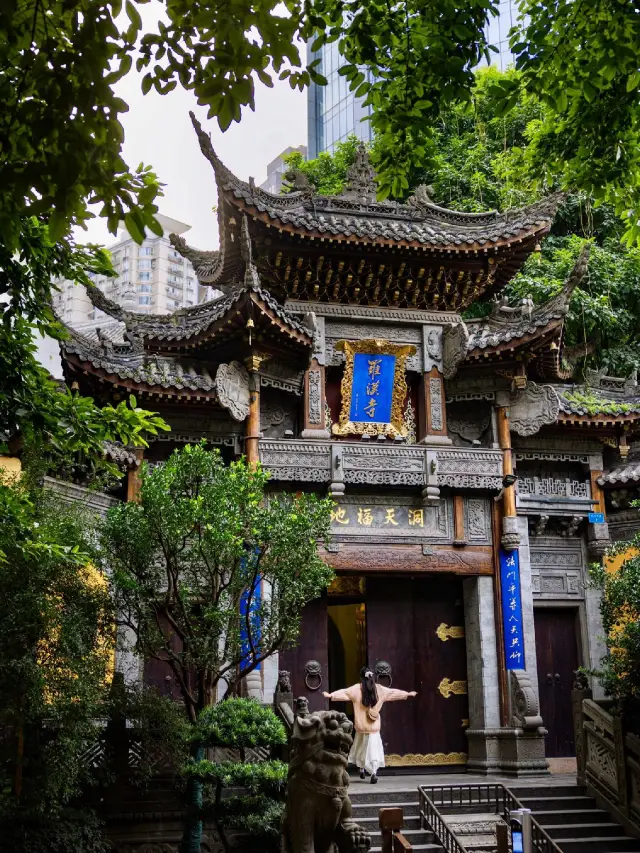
393,695
338,696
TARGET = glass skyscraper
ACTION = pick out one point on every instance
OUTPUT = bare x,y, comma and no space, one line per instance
334,113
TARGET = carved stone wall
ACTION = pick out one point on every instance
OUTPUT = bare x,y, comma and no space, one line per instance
558,567
300,461
353,331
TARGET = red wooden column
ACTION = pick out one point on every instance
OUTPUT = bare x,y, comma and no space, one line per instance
252,424
510,536
134,478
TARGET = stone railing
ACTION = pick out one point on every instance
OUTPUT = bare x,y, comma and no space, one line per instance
339,464
608,759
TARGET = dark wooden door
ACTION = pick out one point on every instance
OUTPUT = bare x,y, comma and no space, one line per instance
557,659
403,621
312,645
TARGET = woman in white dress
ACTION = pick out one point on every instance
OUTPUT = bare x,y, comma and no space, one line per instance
368,698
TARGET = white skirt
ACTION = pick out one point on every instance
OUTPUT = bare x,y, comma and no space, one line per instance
367,752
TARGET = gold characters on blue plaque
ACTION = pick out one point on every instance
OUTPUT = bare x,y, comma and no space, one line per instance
374,388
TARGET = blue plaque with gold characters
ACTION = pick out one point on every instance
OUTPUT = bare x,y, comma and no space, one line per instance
374,388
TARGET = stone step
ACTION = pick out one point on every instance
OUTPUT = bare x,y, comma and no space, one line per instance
583,830
601,844
372,794
551,818
528,791
371,823
431,848
557,803
372,809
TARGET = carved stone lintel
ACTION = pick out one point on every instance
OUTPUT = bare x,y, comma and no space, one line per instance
232,385
525,707
314,402
510,536
532,408
436,404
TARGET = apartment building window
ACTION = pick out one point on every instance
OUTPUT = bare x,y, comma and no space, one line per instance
144,276
145,250
174,279
171,303
144,288
174,254
144,264
144,300
175,268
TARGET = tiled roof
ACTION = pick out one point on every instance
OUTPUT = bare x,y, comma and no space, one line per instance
139,368
356,213
186,323
585,401
507,324
624,474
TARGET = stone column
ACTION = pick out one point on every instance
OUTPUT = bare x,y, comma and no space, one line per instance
509,520
482,675
526,593
252,424
314,422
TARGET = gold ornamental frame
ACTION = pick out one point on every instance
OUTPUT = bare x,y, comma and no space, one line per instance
374,346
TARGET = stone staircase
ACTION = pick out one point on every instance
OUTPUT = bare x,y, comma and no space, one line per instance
574,821
367,801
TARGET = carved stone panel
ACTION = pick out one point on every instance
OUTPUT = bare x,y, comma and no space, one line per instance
232,385
390,466
277,413
391,519
432,347
478,520
532,408
470,469
435,403
299,461
558,567
315,398
336,331
455,339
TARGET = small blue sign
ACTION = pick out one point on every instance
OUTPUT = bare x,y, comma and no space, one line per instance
596,518
372,388
512,621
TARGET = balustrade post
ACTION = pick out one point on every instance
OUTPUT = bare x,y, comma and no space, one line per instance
580,692
621,765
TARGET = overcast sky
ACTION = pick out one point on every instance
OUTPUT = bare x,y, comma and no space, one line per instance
158,132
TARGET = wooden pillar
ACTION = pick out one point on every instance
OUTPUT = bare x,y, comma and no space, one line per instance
432,410
510,537
458,521
597,492
314,420
134,477
252,424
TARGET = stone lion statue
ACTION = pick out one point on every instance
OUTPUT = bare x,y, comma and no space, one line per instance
317,816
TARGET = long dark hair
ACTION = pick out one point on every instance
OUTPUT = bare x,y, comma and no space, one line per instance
368,687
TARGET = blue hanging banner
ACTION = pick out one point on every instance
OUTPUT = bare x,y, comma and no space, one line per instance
253,609
512,621
372,388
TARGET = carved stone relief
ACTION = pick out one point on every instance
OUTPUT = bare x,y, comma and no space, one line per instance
455,339
297,460
232,385
478,520
532,408
469,424
432,347
315,397
558,567
525,708
335,332
435,403
277,414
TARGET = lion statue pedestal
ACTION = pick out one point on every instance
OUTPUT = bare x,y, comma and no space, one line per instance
317,817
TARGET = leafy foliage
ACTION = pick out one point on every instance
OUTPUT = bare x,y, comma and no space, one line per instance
75,830
266,776
240,723
620,610
209,572
55,654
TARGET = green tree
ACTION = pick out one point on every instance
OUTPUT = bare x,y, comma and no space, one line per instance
620,611
210,573
56,645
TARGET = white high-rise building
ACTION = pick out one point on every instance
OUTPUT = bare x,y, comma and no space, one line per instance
151,278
